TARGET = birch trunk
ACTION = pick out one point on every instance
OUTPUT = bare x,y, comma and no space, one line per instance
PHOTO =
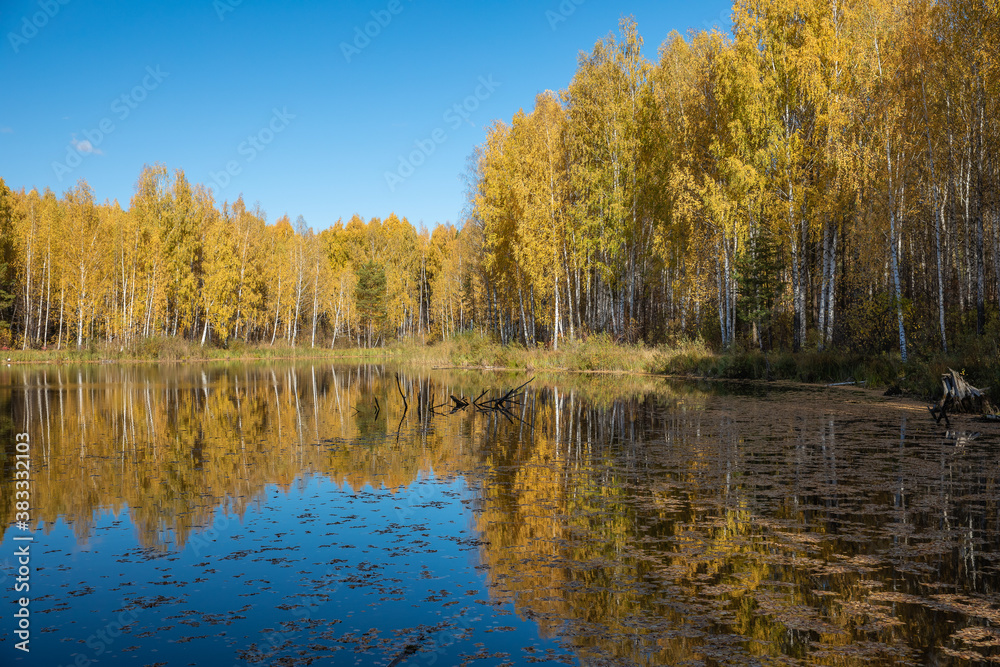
315,305
823,287
277,310
62,303
894,235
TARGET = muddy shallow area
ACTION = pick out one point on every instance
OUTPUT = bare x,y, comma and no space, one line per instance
297,514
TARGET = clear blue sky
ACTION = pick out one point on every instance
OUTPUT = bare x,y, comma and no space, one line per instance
96,90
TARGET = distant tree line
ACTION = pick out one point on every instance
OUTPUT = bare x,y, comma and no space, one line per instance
74,272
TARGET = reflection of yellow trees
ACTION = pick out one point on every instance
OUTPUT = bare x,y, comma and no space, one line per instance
560,525
172,445
653,532
654,526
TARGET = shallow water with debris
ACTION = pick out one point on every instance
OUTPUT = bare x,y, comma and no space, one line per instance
298,514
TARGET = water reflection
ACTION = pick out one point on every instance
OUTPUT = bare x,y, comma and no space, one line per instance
631,520
752,527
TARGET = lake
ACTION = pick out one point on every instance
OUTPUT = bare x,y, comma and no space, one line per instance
290,514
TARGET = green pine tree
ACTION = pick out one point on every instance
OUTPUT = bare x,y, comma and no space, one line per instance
371,298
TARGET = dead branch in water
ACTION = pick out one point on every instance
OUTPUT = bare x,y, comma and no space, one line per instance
504,401
502,406
405,406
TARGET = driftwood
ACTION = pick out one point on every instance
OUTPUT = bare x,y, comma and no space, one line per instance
959,396
502,405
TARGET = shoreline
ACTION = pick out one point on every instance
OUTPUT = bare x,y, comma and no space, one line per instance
908,400
598,355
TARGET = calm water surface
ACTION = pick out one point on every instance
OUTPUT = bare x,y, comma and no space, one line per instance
278,515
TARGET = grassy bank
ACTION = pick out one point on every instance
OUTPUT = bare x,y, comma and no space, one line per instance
919,377
181,350
597,353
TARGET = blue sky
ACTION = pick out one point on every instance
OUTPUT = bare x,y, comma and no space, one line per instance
304,107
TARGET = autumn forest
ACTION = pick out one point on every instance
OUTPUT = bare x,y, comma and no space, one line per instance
823,176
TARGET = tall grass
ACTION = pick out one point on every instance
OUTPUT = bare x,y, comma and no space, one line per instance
176,349
596,353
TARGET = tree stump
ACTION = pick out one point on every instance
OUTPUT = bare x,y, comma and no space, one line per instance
959,396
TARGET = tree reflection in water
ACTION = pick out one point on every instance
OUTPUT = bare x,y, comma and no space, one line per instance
639,521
